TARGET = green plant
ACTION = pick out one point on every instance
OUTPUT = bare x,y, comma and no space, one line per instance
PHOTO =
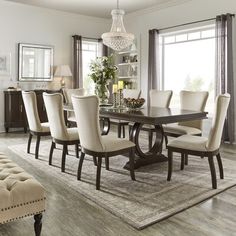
103,70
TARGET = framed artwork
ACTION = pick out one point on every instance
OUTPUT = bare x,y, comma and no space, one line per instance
5,64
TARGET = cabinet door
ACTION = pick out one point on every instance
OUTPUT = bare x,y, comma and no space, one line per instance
14,110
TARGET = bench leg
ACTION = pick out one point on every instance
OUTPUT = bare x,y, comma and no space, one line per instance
38,224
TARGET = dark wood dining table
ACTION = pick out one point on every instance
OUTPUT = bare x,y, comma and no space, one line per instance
155,116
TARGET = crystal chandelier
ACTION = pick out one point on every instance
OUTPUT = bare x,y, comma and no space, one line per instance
117,38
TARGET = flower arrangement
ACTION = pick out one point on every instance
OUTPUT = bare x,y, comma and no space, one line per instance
103,70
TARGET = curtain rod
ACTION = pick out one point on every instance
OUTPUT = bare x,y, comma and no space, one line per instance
87,37
194,22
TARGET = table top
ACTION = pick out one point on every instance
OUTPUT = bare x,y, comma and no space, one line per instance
148,115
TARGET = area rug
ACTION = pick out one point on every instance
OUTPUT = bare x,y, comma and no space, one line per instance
140,203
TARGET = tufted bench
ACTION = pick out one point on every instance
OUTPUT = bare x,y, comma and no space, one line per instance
20,194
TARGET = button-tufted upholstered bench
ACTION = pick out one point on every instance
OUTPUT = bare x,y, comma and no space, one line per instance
20,194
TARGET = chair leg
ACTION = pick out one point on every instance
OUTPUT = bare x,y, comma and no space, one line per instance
38,224
123,130
170,164
98,177
29,142
220,165
150,137
213,172
80,165
77,150
131,163
95,161
107,163
51,152
186,159
119,131
63,159
166,139
182,161
37,147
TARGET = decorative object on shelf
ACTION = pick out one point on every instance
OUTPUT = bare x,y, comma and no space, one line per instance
63,71
5,64
114,91
117,38
133,103
103,71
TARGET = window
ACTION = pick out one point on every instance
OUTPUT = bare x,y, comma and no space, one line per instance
188,62
89,53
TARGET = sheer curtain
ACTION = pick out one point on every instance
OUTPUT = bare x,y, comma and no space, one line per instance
224,69
153,62
77,62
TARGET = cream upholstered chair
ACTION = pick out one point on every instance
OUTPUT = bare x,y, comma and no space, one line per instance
127,93
67,94
59,132
157,99
201,146
189,100
92,142
35,127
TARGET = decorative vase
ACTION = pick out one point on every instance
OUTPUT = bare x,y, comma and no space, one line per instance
102,91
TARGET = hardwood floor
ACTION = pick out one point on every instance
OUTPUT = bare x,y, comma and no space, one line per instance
69,214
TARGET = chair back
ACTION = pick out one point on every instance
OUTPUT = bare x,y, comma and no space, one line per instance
31,109
194,101
131,93
221,106
69,92
160,98
86,110
54,109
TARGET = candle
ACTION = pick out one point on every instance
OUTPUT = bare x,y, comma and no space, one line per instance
120,84
114,88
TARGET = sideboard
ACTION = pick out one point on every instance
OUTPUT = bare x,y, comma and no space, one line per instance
15,116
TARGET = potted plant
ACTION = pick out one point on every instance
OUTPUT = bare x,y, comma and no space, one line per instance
103,71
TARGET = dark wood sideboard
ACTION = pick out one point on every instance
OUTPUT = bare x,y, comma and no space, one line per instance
15,116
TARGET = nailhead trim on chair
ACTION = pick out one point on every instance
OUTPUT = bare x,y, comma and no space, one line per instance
20,217
21,204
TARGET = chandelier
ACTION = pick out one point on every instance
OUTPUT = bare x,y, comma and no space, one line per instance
117,38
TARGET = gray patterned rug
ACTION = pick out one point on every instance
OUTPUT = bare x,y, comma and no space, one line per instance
141,203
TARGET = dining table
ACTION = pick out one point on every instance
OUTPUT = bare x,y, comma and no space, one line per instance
156,117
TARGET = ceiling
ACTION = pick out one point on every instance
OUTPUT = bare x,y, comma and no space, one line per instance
98,8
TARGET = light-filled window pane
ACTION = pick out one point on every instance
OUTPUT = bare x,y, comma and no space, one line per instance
195,35
181,37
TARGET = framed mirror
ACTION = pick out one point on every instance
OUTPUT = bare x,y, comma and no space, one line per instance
35,62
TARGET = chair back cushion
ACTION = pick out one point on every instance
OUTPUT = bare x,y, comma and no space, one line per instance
131,93
195,101
31,109
69,92
221,106
86,110
160,98
54,109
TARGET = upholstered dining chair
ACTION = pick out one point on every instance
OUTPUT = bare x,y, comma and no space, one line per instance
127,93
67,94
189,100
158,98
36,128
59,132
92,142
201,146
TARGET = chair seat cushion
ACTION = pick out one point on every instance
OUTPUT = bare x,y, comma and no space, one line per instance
180,129
45,127
189,142
112,144
73,134
21,195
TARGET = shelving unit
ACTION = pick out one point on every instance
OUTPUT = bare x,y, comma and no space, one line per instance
129,66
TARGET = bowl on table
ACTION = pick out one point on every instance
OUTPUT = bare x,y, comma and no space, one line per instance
133,103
